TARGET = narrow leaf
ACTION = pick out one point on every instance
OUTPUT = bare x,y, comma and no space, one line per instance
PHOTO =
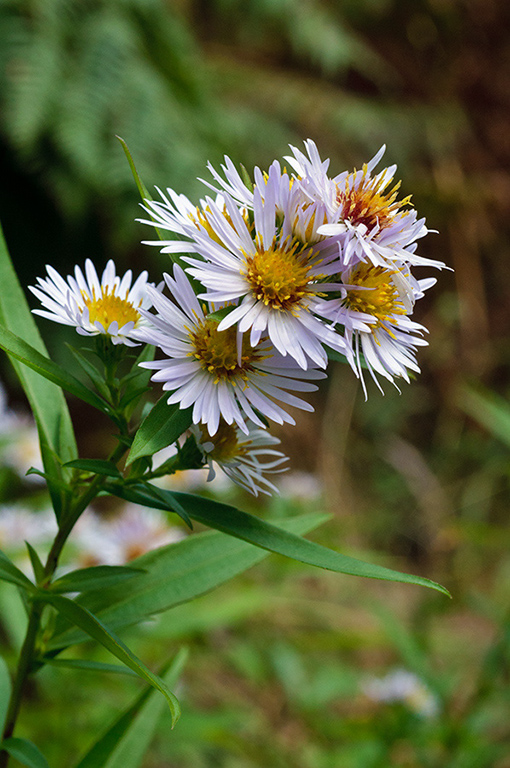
9,572
48,405
144,194
25,752
488,409
149,496
90,369
174,574
90,624
98,466
97,577
37,565
230,520
162,427
29,356
5,692
89,666
131,733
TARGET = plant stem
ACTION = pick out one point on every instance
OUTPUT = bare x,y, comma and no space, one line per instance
27,651
24,665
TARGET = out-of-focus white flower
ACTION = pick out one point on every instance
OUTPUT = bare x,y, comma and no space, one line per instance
218,372
18,524
245,459
400,685
109,306
19,441
127,535
304,486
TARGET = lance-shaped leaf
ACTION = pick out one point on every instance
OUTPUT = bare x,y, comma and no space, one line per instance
5,692
244,526
88,666
48,405
127,739
174,574
95,628
29,356
149,495
97,466
9,572
25,752
97,577
162,427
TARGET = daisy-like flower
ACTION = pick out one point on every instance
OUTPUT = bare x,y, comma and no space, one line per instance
363,210
244,458
374,309
109,306
400,685
218,372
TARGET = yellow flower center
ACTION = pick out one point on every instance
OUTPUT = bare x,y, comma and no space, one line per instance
381,301
226,447
280,276
217,351
109,307
367,203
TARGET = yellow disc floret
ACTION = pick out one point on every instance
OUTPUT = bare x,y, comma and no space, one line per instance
366,202
225,441
108,307
280,276
379,297
218,354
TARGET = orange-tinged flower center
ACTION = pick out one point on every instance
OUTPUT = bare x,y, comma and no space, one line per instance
108,307
382,300
366,201
218,354
280,276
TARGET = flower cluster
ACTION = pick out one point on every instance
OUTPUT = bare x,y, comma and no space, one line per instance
270,277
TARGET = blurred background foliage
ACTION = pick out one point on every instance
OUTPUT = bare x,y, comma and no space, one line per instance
422,476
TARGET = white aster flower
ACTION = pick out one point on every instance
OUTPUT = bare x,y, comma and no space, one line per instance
109,306
118,540
244,458
218,372
374,309
400,685
363,210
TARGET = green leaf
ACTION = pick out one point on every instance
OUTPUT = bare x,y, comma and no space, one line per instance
9,572
25,752
5,692
97,577
47,401
90,624
149,496
488,409
88,666
98,466
144,193
162,427
220,314
174,574
29,356
230,520
91,371
37,565
127,739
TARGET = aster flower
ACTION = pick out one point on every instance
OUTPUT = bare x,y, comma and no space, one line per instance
400,685
218,372
374,309
244,458
109,306
363,210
